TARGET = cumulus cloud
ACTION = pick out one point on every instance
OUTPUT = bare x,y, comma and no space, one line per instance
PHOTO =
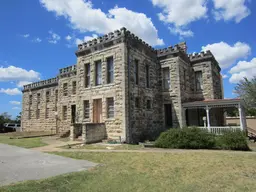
86,38
181,33
84,17
12,73
22,83
25,35
9,91
230,10
181,12
37,40
15,102
54,38
224,76
68,37
227,54
243,69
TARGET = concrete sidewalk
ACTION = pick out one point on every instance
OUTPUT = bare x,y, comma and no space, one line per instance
19,164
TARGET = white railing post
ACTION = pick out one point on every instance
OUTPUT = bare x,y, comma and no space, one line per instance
208,118
240,116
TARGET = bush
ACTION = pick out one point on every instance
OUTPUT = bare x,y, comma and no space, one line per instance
232,140
186,138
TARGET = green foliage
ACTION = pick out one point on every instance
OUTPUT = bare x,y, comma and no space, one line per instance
186,138
246,89
232,140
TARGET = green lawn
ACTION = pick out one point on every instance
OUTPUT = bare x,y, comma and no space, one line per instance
187,171
25,142
112,147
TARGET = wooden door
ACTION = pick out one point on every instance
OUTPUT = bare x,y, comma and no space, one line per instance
97,111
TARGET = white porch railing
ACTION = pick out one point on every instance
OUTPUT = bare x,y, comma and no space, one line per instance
220,130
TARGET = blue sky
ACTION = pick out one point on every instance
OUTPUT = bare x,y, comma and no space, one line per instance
38,37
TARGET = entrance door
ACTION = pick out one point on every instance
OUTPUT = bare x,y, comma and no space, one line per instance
97,111
168,115
73,113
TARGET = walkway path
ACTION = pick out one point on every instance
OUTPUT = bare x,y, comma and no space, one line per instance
19,164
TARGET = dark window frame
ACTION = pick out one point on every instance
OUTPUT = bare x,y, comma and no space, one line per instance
110,107
110,70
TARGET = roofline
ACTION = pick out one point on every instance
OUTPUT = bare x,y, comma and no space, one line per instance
214,102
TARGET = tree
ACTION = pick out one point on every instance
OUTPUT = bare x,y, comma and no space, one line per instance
246,89
5,118
18,118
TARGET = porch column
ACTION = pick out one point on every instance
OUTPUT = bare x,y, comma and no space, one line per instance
240,116
208,118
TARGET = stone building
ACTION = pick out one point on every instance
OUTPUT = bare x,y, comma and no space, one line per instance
121,87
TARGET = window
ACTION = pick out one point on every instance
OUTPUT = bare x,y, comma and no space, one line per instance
184,78
29,113
47,113
47,96
137,102
148,104
147,76
87,74
136,72
65,89
56,96
38,113
30,99
110,70
166,78
98,73
110,107
38,98
74,87
198,78
64,112
86,109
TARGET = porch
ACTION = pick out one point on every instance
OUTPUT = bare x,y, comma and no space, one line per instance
210,114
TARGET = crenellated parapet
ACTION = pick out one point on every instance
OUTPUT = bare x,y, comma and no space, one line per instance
180,48
203,56
67,71
110,39
41,84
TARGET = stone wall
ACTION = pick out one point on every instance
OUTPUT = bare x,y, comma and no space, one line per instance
145,122
93,133
115,127
42,121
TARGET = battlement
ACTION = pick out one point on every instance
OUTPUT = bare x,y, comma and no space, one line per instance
181,47
110,39
40,84
68,69
200,56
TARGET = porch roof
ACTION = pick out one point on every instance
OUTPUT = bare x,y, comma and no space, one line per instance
214,103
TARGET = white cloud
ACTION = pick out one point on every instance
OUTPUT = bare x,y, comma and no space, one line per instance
243,69
224,76
230,10
180,32
9,91
22,83
25,35
54,38
15,102
83,16
68,37
12,73
181,12
86,38
37,40
16,108
227,54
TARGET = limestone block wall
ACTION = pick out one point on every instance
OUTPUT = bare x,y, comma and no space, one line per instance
173,95
93,133
145,122
42,112
68,100
116,126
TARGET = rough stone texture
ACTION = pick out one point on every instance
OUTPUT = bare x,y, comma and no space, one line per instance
131,123
92,133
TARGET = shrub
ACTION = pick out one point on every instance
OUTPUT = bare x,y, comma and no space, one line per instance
186,138
232,140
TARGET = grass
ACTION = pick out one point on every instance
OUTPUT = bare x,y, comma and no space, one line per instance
252,145
24,142
27,134
188,171
109,146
